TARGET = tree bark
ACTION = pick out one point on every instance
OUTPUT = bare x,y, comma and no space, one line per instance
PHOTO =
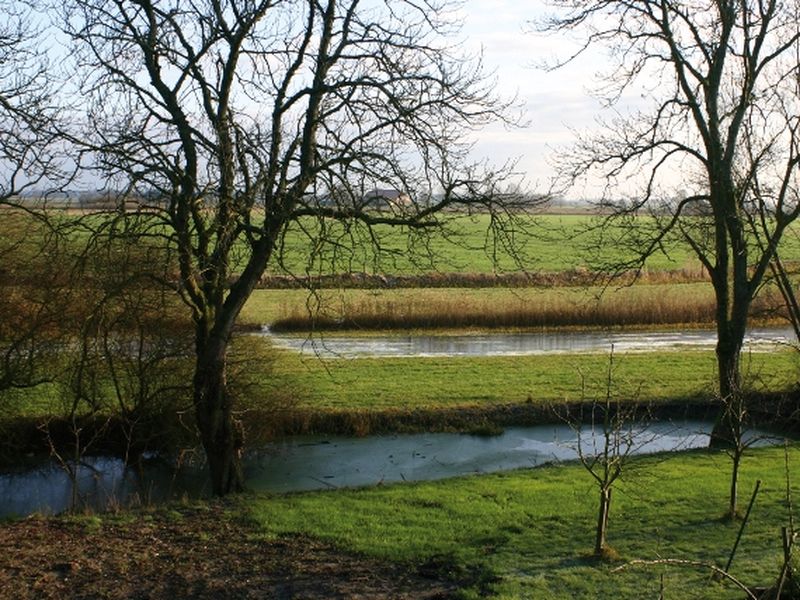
602,521
727,428
221,434
733,506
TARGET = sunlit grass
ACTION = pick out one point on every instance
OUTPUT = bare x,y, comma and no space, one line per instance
375,384
533,529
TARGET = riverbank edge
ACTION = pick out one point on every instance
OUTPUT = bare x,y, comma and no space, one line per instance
30,437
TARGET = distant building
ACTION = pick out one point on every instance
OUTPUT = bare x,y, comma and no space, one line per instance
386,199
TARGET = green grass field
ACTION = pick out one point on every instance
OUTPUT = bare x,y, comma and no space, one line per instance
529,533
430,383
465,244
550,243
546,242
284,379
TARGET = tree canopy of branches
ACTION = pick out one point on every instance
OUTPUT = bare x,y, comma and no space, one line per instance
28,114
232,120
29,161
713,156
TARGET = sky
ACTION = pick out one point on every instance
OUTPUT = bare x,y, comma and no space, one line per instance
555,103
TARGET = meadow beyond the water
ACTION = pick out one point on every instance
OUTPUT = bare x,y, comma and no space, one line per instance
549,243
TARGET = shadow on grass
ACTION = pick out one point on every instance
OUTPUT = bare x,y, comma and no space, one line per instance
447,566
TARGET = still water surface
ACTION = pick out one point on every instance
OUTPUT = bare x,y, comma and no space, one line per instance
521,344
309,463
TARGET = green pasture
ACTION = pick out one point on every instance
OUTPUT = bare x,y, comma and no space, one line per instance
468,244
464,244
475,244
375,384
528,534
280,379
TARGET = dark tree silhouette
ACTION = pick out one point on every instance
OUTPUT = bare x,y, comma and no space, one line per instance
712,158
232,121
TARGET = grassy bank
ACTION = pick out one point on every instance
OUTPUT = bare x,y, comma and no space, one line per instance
283,393
519,535
408,383
304,392
527,534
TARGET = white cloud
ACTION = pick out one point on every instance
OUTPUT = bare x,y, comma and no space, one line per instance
556,102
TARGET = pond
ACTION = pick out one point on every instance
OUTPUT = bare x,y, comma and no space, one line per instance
309,463
521,344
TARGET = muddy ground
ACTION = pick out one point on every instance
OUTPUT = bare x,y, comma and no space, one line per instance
195,552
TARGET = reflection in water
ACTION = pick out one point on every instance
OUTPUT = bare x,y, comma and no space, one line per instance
101,482
520,344
307,463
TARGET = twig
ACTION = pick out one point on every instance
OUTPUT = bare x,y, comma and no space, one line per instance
690,563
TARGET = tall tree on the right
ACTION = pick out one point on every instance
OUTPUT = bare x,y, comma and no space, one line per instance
712,154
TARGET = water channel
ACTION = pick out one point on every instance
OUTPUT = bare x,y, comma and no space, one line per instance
521,344
309,463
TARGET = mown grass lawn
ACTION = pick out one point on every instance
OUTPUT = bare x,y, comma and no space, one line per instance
529,533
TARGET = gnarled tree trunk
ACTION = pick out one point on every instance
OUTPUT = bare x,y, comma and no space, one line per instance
220,433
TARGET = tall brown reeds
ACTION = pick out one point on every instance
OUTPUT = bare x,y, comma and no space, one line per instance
570,277
456,311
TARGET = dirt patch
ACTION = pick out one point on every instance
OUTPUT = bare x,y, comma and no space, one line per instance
189,552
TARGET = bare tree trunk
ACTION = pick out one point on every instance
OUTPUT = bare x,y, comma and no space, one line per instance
220,433
602,521
733,506
727,431
729,347
728,352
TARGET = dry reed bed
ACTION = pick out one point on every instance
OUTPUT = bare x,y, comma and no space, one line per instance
640,307
572,277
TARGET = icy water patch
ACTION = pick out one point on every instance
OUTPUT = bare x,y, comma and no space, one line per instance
320,462
522,344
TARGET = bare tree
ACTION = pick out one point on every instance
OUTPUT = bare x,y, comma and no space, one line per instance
30,160
615,432
233,121
712,158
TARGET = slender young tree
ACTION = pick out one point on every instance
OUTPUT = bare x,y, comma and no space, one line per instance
712,156
615,433
234,122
